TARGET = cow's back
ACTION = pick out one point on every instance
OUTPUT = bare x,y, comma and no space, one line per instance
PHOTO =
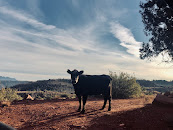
92,84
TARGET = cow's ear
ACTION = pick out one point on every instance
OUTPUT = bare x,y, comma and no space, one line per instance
81,72
68,71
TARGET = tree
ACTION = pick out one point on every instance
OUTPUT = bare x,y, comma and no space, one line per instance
157,16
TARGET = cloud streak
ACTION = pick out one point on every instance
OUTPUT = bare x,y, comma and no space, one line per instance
25,18
30,51
126,38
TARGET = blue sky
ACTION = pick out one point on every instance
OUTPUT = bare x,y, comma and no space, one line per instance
41,39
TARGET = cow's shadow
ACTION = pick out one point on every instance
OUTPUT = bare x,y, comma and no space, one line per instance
148,117
33,102
56,118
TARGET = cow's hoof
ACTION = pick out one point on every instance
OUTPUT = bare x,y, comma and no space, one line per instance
102,108
109,109
82,112
78,110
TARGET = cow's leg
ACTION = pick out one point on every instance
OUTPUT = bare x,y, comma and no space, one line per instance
109,108
79,97
84,102
105,101
110,97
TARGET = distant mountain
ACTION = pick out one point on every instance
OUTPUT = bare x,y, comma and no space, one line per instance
9,82
156,85
7,79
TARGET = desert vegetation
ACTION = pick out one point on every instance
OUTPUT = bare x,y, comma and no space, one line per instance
125,86
8,94
46,95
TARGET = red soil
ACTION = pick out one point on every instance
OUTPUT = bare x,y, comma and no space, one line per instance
61,114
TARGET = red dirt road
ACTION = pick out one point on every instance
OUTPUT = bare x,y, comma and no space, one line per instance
61,114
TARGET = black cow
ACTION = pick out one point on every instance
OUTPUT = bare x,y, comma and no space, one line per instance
85,85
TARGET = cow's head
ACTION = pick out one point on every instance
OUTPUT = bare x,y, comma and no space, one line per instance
74,75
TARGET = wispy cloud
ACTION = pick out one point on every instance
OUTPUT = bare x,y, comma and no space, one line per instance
126,38
19,15
31,51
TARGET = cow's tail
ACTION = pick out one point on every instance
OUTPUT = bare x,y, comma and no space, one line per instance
110,86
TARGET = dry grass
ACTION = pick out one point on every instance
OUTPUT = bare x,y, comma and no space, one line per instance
148,99
42,95
5,103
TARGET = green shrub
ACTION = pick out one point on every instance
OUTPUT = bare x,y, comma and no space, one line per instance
9,94
125,86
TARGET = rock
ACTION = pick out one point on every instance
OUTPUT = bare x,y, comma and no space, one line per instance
167,93
28,97
163,100
171,95
122,124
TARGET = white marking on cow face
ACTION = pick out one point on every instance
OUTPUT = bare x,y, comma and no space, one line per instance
74,76
75,79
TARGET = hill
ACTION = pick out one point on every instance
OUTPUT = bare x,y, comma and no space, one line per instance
156,85
163,83
60,85
147,83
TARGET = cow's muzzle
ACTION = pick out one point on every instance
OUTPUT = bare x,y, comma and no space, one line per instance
73,82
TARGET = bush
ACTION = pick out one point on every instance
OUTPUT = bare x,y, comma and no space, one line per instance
9,94
42,95
125,86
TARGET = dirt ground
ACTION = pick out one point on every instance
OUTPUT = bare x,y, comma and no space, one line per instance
61,114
